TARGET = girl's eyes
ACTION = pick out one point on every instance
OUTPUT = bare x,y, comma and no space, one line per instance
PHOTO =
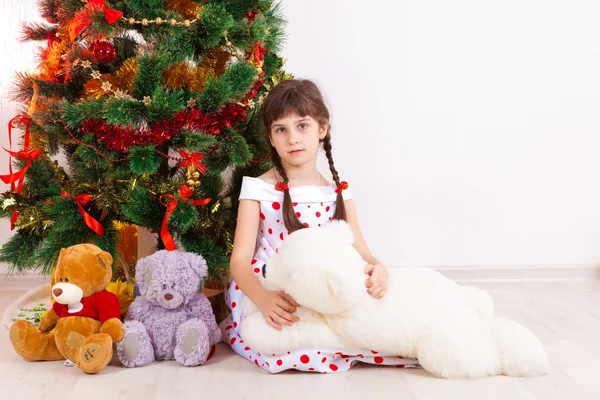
281,130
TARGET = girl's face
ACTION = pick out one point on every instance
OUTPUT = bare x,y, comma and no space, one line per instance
296,139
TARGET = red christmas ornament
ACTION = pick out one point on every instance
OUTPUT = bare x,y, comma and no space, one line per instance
51,37
104,52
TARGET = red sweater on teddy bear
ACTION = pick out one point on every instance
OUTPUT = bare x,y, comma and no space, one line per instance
102,306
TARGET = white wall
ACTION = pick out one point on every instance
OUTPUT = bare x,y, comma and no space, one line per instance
467,130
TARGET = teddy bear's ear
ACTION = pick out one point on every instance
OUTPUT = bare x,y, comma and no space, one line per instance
143,272
197,263
105,259
341,230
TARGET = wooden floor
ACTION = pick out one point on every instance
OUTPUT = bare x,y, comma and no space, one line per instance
564,314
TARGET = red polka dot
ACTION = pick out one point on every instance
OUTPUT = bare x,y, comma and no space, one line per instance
330,218
360,355
232,341
319,224
254,260
308,206
288,352
318,352
228,327
289,233
321,204
266,362
277,221
311,369
228,285
256,270
256,362
333,367
298,214
294,365
324,359
276,206
233,304
305,224
279,362
327,208
400,357
318,214
262,216
270,231
374,352
304,359
400,365
281,236
246,348
237,287
235,324
378,360
294,204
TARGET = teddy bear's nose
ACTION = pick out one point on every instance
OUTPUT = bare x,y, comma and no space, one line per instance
57,292
168,296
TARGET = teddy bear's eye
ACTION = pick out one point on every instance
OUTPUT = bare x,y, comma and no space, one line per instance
172,286
164,286
66,279
60,279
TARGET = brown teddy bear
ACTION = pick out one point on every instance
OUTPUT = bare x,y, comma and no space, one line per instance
86,316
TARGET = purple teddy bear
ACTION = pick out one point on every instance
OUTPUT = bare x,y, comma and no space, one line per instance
171,319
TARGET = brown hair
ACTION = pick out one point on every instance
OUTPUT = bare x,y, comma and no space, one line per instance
302,97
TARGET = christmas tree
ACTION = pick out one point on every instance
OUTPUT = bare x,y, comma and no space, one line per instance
153,106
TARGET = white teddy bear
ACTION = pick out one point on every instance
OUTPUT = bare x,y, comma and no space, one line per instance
449,328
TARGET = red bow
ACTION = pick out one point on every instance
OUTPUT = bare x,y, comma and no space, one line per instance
184,192
341,186
192,158
84,17
81,200
12,124
280,186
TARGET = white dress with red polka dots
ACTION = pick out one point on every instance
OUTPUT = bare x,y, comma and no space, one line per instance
314,206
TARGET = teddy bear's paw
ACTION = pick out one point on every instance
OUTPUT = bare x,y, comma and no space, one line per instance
135,350
193,343
31,344
95,353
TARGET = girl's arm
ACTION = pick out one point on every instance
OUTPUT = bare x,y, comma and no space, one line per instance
377,283
276,307
244,244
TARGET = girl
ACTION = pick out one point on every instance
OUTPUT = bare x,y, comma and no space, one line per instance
292,196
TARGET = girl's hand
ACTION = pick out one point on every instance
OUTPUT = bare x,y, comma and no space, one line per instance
377,283
277,309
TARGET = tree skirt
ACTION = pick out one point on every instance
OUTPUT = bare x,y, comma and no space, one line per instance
29,306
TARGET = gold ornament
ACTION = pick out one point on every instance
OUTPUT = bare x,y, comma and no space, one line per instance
131,21
196,175
144,22
158,20
172,22
186,23
234,53
188,9
190,182
124,77
228,43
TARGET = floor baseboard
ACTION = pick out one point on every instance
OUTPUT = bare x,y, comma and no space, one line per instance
459,274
